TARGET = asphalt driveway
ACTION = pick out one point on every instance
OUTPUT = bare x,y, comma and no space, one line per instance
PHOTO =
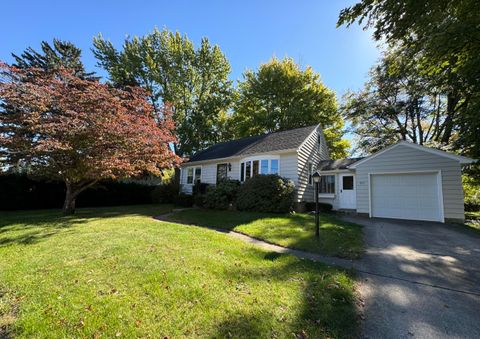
419,280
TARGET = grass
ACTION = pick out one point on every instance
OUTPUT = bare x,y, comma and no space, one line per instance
116,272
337,238
473,220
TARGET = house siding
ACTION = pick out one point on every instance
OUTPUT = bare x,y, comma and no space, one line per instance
209,173
288,167
405,159
335,201
310,151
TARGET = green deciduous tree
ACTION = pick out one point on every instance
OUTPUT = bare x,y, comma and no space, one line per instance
401,102
280,96
194,80
443,36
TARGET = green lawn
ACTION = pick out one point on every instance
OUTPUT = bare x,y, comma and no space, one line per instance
337,237
116,272
473,220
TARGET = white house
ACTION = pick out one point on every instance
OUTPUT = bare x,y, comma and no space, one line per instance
403,181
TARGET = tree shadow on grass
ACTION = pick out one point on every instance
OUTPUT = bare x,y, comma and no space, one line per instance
326,308
297,231
29,227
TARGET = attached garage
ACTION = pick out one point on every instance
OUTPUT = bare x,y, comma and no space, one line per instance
416,196
409,181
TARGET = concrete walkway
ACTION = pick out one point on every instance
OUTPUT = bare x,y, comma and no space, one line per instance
417,280
332,261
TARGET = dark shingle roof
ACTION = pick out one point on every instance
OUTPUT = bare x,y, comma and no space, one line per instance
328,165
276,141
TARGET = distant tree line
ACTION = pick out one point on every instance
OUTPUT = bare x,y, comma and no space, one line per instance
207,107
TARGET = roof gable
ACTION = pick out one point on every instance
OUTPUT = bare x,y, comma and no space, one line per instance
459,158
338,164
277,141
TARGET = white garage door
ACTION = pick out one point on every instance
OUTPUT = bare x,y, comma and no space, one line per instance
406,196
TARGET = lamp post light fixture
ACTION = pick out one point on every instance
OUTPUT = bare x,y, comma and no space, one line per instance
316,180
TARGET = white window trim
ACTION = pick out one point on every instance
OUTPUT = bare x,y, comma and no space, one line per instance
194,168
216,170
310,173
329,195
326,195
259,158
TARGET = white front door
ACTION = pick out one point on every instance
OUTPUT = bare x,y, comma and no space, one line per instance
347,195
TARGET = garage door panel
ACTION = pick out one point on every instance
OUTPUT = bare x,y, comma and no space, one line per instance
405,196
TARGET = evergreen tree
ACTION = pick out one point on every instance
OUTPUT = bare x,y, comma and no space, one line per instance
63,54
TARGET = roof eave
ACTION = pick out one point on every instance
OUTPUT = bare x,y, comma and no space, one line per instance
461,159
241,156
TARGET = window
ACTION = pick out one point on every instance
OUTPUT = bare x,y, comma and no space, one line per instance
190,175
255,169
347,182
274,166
264,167
310,173
222,170
252,168
198,174
193,175
248,167
327,184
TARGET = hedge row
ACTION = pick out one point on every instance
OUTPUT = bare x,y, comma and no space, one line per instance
17,192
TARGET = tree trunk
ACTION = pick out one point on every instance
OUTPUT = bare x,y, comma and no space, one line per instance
73,190
69,204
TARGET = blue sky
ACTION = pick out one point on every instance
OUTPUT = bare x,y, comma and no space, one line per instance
248,32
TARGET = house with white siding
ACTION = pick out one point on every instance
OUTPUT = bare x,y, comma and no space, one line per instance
293,154
402,181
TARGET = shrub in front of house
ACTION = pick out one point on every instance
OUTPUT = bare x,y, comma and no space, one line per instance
266,193
165,193
222,196
471,189
200,188
184,200
199,200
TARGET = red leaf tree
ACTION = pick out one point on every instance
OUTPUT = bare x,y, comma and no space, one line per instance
61,127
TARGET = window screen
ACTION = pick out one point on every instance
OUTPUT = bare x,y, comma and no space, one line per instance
190,175
248,166
274,166
327,184
264,167
198,174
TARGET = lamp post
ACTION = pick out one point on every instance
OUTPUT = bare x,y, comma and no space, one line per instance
316,180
